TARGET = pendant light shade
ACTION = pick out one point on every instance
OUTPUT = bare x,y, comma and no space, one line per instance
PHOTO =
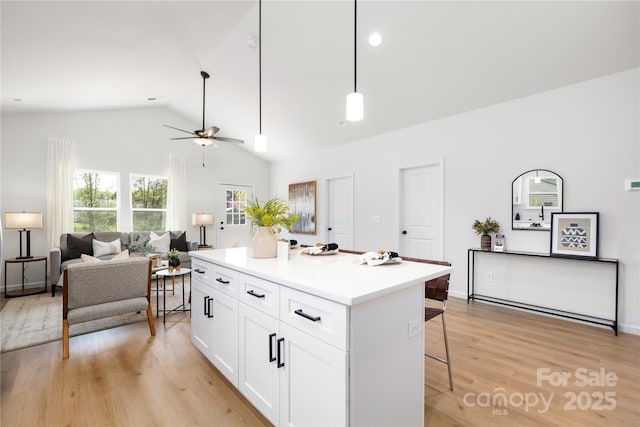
355,107
355,100
260,142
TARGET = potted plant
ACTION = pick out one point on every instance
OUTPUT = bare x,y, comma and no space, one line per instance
484,229
141,246
173,258
268,219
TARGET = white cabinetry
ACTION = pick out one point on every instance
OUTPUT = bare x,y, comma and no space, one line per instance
214,321
288,375
318,340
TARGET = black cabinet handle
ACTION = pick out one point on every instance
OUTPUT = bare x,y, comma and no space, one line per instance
271,356
221,280
210,314
280,362
197,270
206,306
253,294
299,312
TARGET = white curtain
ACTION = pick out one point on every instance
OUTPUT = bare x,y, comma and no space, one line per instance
177,193
59,189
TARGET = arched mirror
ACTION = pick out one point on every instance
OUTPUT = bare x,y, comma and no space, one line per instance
535,194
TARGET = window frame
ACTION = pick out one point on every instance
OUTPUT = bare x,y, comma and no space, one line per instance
132,210
117,185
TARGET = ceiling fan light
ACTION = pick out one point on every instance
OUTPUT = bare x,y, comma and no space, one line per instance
260,143
355,107
203,142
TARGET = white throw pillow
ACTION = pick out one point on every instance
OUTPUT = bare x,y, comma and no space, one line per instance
106,248
161,244
122,255
88,258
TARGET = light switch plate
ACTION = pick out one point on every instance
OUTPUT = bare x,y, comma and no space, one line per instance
632,184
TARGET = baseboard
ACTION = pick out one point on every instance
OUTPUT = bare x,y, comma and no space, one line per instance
18,286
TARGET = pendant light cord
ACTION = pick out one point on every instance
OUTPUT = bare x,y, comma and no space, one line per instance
204,82
355,45
260,62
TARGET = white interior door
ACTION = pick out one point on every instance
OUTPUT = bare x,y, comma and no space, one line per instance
421,212
233,226
340,215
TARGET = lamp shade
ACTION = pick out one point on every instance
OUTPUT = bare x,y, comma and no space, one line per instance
260,143
202,219
23,220
355,107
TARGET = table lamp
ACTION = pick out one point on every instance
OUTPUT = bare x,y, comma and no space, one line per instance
23,221
202,220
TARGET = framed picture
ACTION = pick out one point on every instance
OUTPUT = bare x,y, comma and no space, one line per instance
574,234
302,201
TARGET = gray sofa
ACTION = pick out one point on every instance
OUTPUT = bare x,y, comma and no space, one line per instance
60,257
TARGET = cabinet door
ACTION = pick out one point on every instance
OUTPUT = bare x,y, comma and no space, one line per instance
224,354
259,375
201,317
313,381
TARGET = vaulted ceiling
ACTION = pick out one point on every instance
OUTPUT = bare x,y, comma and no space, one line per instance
437,59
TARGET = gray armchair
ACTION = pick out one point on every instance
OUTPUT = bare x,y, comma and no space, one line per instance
96,290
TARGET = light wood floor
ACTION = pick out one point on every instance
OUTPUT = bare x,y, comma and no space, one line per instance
123,377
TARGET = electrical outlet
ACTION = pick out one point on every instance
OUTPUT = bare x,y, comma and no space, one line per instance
488,276
415,327
375,219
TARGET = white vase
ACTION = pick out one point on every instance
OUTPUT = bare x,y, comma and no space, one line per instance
264,243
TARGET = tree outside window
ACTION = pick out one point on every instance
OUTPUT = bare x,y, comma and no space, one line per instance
148,202
95,201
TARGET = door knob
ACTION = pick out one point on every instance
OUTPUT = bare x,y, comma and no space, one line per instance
221,228
329,229
404,231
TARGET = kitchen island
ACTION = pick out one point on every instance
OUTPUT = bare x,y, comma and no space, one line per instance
316,340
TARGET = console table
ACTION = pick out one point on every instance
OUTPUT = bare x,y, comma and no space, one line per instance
472,295
24,291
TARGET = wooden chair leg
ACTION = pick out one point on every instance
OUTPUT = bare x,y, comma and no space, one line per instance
152,327
65,339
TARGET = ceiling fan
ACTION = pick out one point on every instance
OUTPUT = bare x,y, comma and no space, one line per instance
205,136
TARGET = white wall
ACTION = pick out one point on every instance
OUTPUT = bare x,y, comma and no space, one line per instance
124,141
588,133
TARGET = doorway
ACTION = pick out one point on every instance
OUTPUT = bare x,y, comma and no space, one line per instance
233,226
340,212
422,212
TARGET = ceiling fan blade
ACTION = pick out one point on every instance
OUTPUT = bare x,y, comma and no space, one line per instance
222,138
209,132
182,130
186,137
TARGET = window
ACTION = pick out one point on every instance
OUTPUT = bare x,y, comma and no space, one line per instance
148,203
236,201
543,193
95,201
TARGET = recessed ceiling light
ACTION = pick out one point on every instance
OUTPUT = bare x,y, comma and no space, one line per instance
375,39
16,99
151,99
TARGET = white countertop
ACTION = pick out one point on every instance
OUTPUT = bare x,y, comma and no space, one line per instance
338,277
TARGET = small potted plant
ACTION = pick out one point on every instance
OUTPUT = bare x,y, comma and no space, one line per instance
140,247
173,258
484,229
268,219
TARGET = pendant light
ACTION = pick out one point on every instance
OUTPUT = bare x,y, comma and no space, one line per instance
355,101
260,143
